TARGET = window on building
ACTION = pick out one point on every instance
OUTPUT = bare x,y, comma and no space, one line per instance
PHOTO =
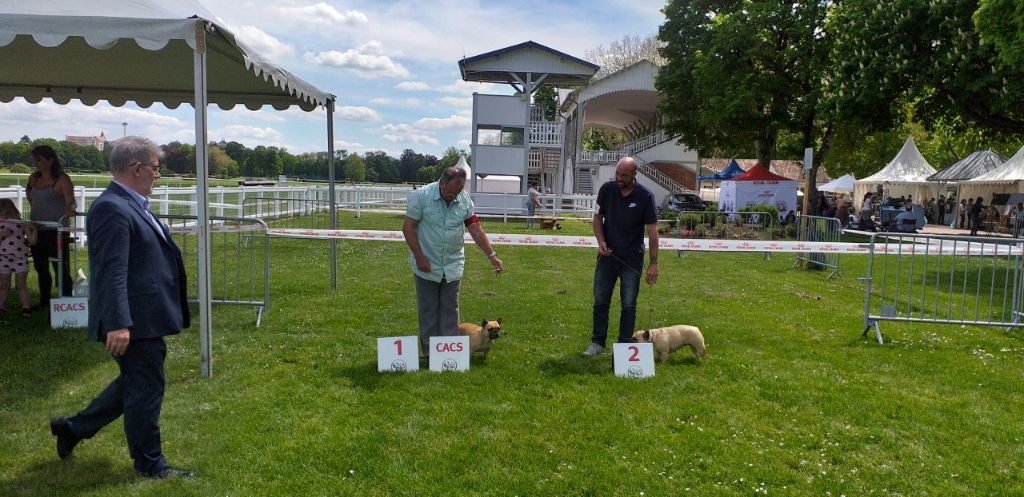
502,136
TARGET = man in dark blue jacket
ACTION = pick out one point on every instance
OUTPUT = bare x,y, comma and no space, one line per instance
137,295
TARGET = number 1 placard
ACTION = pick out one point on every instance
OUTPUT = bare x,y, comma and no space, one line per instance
398,354
633,360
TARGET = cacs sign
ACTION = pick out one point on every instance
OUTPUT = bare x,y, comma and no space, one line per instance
69,312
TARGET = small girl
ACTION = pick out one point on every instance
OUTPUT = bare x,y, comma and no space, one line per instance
13,255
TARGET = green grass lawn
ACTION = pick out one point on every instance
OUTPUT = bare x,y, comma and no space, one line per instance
791,402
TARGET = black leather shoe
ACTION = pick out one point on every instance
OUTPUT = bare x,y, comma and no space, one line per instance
66,439
171,472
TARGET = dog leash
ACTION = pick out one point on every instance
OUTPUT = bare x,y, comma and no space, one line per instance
650,300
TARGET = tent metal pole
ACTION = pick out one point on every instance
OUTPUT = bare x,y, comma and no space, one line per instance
330,176
202,203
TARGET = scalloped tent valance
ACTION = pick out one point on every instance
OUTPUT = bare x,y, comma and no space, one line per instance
148,51
146,59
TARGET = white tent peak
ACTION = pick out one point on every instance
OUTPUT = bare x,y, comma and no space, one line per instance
843,183
462,164
908,166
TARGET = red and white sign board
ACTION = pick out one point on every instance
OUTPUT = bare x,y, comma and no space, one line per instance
398,354
69,312
633,360
449,353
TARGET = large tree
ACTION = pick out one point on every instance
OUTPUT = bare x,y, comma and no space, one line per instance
740,72
385,167
1001,23
921,53
623,53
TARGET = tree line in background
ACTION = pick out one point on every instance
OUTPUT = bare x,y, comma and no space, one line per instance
848,79
232,159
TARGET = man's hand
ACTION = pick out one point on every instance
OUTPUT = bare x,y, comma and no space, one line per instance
603,250
652,274
498,265
422,263
117,341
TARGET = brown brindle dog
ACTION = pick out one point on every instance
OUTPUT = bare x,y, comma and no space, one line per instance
481,336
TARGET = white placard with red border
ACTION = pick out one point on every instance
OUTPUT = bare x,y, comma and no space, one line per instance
633,360
449,353
69,312
398,354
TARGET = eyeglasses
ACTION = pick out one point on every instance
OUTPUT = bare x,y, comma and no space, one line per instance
154,167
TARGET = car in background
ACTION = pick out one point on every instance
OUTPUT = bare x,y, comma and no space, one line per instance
680,202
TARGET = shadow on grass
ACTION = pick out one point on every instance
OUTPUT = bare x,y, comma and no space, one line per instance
576,365
38,359
363,376
70,477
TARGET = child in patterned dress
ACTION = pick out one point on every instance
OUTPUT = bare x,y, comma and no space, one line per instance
13,255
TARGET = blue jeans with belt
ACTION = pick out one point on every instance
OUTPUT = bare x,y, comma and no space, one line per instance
627,270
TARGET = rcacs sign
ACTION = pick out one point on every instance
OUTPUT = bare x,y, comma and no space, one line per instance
69,312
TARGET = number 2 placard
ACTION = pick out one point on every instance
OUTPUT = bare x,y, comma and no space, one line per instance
633,360
398,354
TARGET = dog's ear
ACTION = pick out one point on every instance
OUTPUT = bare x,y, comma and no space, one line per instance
483,324
647,335
498,320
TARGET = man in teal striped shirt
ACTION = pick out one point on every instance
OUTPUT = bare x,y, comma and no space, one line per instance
435,218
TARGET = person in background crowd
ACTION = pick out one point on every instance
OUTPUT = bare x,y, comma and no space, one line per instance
51,196
532,203
966,206
975,214
14,252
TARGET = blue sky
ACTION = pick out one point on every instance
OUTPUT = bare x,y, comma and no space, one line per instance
392,64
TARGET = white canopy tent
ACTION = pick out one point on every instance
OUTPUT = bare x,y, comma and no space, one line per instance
842,184
147,51
905,174
1007,178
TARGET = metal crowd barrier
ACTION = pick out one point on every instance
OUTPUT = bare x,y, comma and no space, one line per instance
819,229
292,212
943,279
239,259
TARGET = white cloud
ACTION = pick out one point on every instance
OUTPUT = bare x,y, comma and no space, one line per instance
402,102
250,136
411,138
366,61
264,43
47,119
461,102
358,114
412,86
320,14
450,122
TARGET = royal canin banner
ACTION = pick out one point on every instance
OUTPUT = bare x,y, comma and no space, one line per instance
699,245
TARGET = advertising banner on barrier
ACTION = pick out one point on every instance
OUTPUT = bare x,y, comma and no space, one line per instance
69,312
694,244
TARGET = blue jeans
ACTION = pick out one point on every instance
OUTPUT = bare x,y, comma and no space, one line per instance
627,271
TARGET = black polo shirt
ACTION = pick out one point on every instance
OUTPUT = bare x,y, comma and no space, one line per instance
625,218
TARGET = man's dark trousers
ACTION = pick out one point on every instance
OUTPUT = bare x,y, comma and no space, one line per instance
136,393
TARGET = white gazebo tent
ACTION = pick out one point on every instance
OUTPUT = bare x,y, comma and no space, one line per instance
905,174
147,51
842,184
1007,178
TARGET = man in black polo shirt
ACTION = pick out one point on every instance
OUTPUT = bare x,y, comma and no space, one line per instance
625,208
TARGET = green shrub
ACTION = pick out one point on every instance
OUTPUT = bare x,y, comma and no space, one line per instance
700,232
689,220
19,168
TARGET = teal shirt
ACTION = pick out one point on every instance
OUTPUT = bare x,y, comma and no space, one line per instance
441,231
